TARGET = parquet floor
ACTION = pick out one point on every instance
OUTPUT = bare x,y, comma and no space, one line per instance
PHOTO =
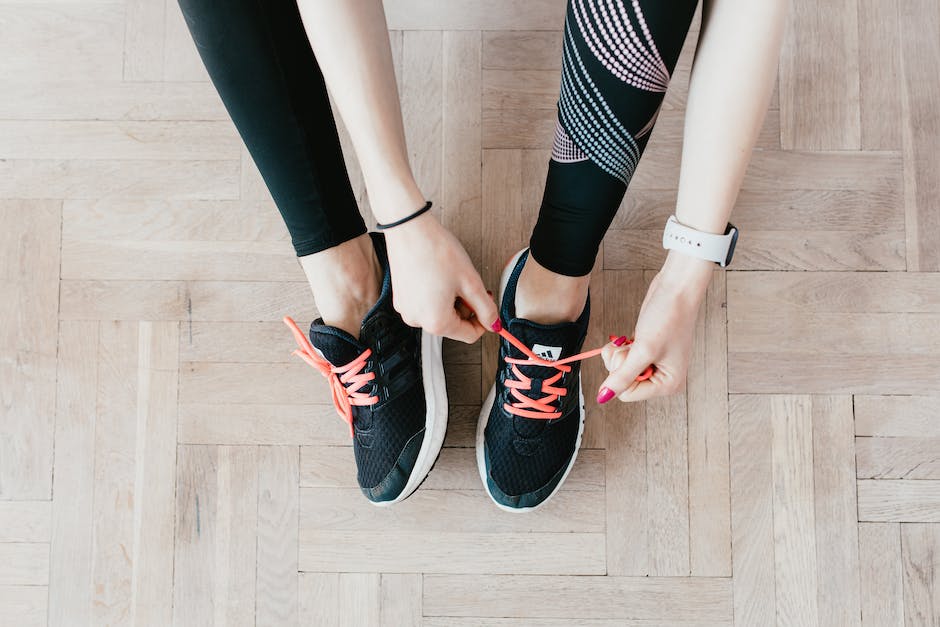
164,460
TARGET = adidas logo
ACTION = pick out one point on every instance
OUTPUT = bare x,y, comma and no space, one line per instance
550,353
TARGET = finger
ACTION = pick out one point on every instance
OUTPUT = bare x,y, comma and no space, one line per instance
613,356
463,310
465,331
624,377
482,305
658,385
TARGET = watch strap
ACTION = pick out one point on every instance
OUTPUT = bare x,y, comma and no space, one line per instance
710,246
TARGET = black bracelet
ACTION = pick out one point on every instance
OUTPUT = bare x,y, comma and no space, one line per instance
426,207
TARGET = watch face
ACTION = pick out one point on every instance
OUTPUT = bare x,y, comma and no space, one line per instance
734,240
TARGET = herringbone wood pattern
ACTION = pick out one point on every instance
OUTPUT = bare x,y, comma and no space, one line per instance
163,460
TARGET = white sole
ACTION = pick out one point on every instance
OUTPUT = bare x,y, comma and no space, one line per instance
488,405
435,421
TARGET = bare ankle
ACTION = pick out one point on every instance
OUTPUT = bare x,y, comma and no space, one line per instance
346,281
546,297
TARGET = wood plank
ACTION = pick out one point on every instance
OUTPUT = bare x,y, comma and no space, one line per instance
440,511
665,599
920,55
218,301
775,372
879,61
838,170
897,416
401,600
752,515
419,552
154,464
879,549
871,335
277,594
837,542
894,500
90,99
240,342
522,50
421,104
795,545
144,22
24,606
898,458
475,15
88,41
461,185
708,466
25,521
833,292
216,534
81,139
819,77
113,513
478,621
920,556
628,549
319,599
103,178
168,220
667,478
267,424
70,576
29,271
24,563
180,260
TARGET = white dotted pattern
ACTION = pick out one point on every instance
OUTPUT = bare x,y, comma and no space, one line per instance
611,36
563,149
589,121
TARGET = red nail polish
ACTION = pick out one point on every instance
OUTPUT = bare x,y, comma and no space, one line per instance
497,326
604,395
620,340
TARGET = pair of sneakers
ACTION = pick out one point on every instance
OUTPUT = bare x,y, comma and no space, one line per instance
389,386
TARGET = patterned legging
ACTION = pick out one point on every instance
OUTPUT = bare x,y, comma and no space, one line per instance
617,60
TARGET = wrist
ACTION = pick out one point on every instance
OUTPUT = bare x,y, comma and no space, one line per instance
686,275
393,201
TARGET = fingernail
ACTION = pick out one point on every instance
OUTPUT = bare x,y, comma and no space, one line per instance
604,395
497,326
620,340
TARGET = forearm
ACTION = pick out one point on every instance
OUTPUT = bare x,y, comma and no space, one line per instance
732,80
350,41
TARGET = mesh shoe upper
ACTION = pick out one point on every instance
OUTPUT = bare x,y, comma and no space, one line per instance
528,455
389,433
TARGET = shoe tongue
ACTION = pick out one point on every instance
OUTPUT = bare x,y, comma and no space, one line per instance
548,341
338,347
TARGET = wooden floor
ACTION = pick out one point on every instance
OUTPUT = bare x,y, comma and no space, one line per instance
164,460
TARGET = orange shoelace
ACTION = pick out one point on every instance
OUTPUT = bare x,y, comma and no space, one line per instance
345,381
541,408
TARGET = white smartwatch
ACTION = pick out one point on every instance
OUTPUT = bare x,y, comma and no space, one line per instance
709,246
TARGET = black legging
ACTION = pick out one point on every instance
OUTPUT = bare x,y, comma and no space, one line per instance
617,60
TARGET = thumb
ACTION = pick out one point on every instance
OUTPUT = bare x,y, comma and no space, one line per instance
625,376
482,305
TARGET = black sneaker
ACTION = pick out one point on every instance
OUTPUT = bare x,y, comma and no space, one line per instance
389,386
531,422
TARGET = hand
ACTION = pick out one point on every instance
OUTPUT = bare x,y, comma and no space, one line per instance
664,333
430,272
